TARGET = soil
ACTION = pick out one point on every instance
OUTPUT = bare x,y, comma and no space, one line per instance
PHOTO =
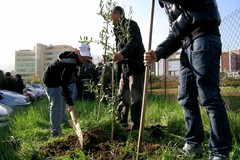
97,145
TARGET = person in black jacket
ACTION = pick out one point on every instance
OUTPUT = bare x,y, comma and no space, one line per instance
194,27
129,57
56,79
2,80
19,84
10,83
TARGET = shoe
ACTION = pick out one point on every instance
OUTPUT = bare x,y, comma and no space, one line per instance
193,149
58,134
215,156
67,125
124,125
132,127
121,122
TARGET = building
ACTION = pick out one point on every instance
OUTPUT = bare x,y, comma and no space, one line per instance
25,62
168,67
230,64
230,61
30,63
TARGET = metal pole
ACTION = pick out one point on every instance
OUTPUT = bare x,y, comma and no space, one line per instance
165,78
145,89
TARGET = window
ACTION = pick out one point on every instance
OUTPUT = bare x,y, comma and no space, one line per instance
26,70
25,54
26,65
174,65
53,53
25,59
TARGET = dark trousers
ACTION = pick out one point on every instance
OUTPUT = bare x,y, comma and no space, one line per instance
130,95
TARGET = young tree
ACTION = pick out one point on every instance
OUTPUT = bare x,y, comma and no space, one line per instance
110,47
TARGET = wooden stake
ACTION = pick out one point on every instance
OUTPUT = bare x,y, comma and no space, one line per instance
113,102
145,89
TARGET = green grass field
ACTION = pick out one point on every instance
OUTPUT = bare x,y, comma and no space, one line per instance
29,130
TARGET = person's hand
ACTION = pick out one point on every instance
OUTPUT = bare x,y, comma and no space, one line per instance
118,57
149,57
70,108
76,51
105,57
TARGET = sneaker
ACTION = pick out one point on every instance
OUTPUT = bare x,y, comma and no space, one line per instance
192,149
215,156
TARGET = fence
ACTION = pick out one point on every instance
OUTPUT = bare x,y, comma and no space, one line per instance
230,66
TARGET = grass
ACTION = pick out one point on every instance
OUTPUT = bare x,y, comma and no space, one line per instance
29,129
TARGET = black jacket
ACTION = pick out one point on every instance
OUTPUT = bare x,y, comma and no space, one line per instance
19,86
188,20
129,44
59,73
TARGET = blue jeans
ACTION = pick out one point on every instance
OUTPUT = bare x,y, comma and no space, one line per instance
73,90
58,113
199,77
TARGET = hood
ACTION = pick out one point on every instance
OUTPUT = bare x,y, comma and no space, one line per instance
5,110
68,57
11,93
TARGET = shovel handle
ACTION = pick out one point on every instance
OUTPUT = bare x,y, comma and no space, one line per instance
77,128
73,117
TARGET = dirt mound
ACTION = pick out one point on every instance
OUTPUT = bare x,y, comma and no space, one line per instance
98,144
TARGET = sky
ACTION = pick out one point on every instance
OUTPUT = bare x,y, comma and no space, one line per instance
24,23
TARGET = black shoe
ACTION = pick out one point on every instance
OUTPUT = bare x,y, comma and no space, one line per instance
67,125
121,122
132,127
124,125
58,134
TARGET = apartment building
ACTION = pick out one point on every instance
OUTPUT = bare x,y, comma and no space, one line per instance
230,61
25,62
34,62
167,67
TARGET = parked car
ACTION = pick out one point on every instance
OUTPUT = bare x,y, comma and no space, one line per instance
32,96
39,92
39,87
5,114
13,99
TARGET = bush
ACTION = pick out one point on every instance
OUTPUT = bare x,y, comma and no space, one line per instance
230,82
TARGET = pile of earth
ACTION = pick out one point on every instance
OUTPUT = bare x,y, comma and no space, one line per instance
97,144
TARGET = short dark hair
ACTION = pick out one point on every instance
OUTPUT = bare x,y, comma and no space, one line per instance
8,74
18,76
119,9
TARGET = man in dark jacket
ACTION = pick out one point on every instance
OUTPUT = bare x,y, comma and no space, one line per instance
19,84
194,28
129,56
10,83
56,79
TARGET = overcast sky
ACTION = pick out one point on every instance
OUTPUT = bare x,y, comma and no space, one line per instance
27,22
